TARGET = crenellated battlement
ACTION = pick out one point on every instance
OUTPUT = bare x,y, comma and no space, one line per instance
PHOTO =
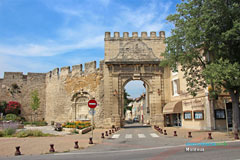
143,36
89,67
15,76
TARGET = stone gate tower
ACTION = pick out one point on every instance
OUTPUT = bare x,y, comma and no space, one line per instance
133,58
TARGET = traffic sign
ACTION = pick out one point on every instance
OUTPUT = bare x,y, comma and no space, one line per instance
92,103
92,111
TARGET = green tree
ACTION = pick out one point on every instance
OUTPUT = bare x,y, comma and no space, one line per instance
3,106
206,43
126,101
35,101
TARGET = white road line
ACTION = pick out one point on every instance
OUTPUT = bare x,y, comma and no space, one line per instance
141,136
116,136
131,150
128,136
119,151
154,135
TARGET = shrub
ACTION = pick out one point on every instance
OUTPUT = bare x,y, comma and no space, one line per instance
1,134
3,106
12,117
31,133
8,132
36,123
13,107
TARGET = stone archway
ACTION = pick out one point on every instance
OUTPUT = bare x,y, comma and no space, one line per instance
145,108
132,58
80,109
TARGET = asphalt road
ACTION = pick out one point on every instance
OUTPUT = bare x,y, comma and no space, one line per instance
136,142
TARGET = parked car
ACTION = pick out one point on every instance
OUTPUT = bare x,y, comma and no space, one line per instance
136,119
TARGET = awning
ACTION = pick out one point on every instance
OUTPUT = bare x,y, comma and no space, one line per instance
173,107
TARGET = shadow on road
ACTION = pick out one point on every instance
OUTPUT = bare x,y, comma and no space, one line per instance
130,124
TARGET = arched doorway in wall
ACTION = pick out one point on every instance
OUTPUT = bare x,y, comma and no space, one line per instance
135,106
80,109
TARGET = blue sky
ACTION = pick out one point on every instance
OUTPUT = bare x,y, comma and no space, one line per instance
40,35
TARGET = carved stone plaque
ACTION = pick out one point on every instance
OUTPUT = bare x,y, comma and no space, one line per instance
135,51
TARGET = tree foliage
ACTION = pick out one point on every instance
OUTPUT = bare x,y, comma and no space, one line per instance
126,101
3,106
206,43
35,101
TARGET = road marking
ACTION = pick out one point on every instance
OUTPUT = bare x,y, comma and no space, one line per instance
154,135
131,150
128,136
116,136
119,151
141,136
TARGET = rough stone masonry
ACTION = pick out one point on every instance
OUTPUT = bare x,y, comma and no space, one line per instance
64,92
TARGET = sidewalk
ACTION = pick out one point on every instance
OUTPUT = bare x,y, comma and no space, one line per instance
65,143
198,135
41,145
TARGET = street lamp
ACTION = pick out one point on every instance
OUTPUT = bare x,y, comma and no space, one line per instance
115,93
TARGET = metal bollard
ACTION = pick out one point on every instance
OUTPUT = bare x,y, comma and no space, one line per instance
76,145
110,132
161,132
189,134
17,153
210,136
175,133
236,136
102,135
90,140
51,148
106,133
165,132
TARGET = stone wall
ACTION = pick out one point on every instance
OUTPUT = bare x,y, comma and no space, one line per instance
65,87
56,91
27,84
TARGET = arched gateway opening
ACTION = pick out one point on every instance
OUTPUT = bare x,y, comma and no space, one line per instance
132,58
136,103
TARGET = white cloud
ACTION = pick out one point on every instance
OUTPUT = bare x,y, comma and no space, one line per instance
50,49
89,31
19,64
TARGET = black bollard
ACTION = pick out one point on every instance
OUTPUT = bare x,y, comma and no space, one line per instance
17,153
102,135
189,134
51,148
76,145
110,132
90,140
175,133
165,132
106,133
210,136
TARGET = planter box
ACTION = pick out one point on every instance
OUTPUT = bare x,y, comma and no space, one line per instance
10,124
85,130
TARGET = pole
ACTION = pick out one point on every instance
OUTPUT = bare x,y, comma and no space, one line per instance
92,120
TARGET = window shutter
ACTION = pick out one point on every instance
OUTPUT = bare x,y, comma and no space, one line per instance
172,89
178,86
